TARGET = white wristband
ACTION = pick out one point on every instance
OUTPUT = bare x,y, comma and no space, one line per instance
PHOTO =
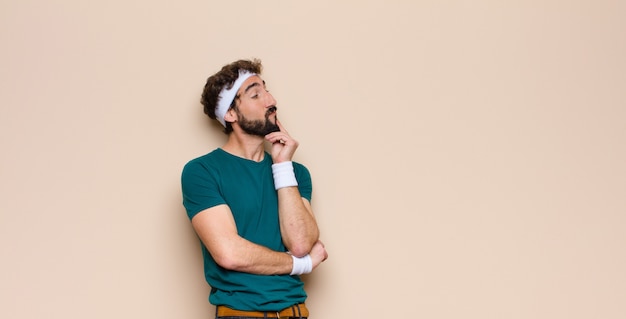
302,265
284,175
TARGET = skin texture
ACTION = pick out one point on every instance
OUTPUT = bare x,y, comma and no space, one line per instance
216,227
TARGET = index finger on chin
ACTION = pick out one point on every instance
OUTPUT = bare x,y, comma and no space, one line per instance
281,127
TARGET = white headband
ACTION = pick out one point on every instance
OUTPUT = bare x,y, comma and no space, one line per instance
226,97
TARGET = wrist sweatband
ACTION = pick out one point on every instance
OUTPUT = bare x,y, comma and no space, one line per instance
302,265
284,175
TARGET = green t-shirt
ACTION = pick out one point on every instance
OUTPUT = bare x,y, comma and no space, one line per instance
247,187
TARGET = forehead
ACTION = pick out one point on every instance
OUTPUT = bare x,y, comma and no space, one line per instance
250,83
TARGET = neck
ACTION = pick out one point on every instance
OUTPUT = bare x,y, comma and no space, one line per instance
245,146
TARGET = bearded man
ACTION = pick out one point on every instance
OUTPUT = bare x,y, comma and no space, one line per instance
250,204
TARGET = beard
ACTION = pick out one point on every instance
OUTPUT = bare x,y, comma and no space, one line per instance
258,127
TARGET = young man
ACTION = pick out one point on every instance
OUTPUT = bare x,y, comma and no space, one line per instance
250,207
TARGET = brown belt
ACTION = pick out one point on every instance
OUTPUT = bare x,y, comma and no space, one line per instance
223,311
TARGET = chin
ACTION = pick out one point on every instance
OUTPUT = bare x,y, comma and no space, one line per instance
273,129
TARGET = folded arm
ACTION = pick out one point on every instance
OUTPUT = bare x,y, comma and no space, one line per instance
298,226
217,230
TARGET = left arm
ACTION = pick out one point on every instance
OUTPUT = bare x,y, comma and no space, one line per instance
298,226
297,222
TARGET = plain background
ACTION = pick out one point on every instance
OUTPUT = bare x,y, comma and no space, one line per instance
469,157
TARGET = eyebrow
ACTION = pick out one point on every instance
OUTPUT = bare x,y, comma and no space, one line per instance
252,85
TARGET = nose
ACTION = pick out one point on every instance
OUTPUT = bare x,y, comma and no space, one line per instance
269,100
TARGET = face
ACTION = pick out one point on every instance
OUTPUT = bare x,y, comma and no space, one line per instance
256,108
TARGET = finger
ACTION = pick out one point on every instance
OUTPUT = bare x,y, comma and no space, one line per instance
280,142
274,136
281,127
277,138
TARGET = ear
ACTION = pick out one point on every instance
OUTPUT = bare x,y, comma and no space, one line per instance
230,116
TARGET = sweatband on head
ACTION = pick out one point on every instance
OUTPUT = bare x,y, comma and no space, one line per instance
227,96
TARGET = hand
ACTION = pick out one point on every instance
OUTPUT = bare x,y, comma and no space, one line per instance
283,145
318,254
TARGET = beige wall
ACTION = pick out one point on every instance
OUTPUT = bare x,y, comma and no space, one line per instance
469,158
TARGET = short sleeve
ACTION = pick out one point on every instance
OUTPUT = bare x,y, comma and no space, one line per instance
200,188
303,176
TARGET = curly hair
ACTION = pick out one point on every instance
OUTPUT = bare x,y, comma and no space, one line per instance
225,78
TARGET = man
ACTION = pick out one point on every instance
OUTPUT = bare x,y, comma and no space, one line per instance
250,207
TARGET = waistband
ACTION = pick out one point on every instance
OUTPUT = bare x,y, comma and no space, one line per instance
295,311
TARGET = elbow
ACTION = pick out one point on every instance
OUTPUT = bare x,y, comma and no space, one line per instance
301,249
299,252
302,246
227,261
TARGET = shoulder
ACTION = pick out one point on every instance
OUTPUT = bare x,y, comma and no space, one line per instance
206,159
204,163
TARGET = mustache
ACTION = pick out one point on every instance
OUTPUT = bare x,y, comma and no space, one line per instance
271,110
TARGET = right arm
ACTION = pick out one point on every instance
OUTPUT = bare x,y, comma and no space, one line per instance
217,230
